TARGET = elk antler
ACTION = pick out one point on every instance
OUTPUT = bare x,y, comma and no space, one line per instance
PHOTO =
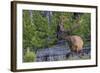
61,24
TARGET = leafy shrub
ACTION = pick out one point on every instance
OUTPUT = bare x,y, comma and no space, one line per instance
29,56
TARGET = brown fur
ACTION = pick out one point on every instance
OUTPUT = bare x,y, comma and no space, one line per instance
75,43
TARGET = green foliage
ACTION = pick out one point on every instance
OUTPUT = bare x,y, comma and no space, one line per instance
85,29
29,56
38,33
35,29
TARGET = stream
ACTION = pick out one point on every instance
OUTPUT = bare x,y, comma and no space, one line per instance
61,52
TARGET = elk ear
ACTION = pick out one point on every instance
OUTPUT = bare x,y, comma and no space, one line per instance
68,33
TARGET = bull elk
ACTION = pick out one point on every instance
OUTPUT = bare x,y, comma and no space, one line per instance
75,42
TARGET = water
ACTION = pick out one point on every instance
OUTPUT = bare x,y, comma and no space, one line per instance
60,52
